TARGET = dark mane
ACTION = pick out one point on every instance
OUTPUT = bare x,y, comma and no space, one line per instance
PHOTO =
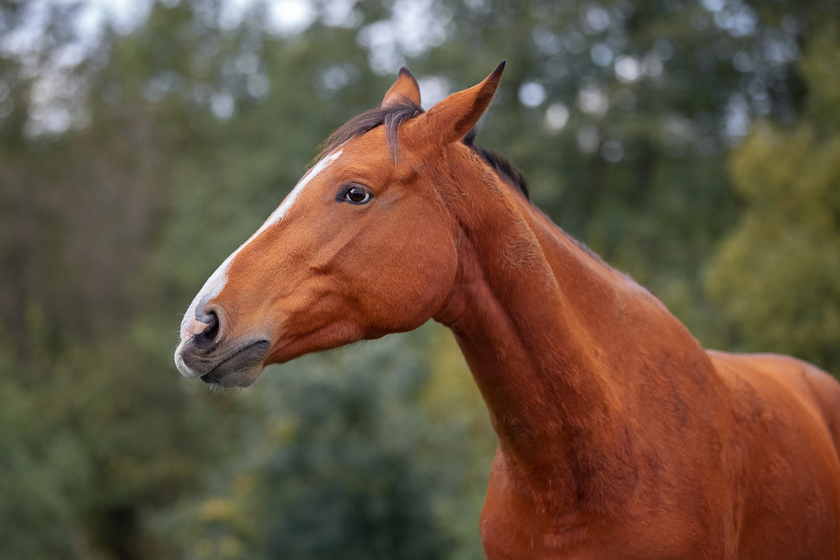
390,116
502,166
514,177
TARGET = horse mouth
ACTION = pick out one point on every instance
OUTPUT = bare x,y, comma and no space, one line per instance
245,361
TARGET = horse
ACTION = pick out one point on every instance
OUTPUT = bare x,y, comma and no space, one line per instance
619,435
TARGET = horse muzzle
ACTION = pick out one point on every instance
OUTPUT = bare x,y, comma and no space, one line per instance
203,353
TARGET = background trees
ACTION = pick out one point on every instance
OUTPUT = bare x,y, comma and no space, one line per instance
692,144
777,275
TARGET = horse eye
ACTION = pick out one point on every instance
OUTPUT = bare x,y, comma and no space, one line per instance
357,195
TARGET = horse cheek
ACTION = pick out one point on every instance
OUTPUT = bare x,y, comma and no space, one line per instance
413,283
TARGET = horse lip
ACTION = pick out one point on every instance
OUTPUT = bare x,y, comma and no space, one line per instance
245,357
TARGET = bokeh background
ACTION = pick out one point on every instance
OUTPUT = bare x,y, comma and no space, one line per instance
695,144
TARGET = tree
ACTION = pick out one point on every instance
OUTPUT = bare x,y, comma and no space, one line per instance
777,275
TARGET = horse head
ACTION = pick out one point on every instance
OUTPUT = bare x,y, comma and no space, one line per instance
362,247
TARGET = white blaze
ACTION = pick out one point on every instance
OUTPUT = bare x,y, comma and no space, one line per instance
218,279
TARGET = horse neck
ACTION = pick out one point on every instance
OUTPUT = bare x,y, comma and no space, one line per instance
554,339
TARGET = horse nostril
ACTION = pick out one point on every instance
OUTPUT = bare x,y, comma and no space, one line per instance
212,331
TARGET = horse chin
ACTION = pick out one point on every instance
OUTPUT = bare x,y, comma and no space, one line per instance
241,378
241,368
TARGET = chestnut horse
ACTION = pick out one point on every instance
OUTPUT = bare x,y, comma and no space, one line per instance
619,435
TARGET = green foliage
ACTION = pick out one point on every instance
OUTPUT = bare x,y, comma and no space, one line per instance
340,466
778,274
45,473
346,476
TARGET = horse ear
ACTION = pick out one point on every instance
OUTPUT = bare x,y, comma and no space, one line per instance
451,119
405,88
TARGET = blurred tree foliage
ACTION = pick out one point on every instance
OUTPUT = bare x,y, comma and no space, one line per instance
777,275
133,163
342,467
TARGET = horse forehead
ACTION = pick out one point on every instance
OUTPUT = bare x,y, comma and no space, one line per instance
371,148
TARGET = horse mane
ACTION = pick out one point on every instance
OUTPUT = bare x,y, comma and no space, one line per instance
511,175
502,166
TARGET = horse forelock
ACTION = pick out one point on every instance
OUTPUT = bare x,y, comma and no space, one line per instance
390,116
